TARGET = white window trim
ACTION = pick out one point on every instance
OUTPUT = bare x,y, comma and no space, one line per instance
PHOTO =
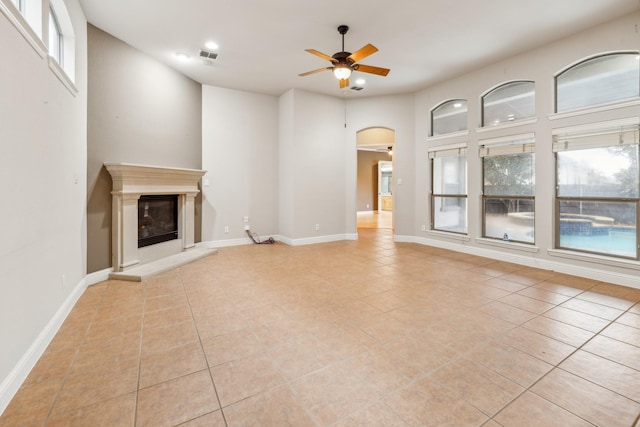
62,76
461,237
21,24
595,258
515,123
524,247
68,42
598,109
448,135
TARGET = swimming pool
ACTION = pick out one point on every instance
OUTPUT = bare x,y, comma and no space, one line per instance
619,241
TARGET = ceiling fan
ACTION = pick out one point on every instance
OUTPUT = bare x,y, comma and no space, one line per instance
343,63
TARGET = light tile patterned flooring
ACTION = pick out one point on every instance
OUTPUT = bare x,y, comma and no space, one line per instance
352,333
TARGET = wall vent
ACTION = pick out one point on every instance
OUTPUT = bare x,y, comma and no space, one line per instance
356,88
208,55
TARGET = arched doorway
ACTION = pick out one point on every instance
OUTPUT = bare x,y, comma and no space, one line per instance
374,199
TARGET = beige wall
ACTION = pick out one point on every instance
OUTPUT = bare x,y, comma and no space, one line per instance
368,179
139,111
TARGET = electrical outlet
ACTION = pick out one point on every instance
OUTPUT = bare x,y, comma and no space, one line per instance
246,219
226,229
424,227
247,227
317,227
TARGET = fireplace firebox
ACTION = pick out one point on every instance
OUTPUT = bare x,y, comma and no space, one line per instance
157,219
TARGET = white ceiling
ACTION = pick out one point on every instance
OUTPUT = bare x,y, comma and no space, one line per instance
261,43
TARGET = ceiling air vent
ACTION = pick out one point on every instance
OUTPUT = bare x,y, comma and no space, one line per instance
208,55
356,88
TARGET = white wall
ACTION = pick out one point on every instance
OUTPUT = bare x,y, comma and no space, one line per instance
539,65
393,112
43,181
314,163
240,155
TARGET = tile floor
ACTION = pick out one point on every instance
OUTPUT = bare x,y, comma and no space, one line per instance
353,333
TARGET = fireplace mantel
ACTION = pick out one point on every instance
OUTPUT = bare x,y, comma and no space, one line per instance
130,181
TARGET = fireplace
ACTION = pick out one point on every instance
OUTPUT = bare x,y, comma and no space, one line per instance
141,191
157,219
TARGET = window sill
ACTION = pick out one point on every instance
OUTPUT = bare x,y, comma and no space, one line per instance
62,76
20,23
447,135
593,258
508,125
508,245
447,235
598,109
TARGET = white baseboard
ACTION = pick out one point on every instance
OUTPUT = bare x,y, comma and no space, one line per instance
98,276
590,272
11,384
321,239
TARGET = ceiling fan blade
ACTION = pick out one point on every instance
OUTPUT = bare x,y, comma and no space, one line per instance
344,83
321,55
314,71
372,70
362,53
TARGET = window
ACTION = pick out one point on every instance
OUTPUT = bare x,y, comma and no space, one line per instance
448,117
19,5
508,188
599,80
55,38
597,191
509,102
449,189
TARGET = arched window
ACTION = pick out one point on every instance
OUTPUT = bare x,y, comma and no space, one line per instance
509,102
599,80
448,117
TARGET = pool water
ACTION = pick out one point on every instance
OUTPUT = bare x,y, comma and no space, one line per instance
620,242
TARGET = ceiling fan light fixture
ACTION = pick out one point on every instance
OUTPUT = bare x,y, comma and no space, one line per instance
341,71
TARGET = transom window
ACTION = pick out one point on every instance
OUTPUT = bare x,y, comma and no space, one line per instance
598,192
509,102
19,4
55,37
508,188
600,80
448,117
449,189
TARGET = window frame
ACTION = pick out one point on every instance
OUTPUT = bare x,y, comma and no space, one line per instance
443,104
459,150
573,133
500,86
58,55
510,145
582,61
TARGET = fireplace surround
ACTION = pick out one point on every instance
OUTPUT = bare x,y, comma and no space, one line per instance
130,182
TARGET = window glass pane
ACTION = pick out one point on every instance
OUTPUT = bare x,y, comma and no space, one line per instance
509,219
450,175
449,117
607,228
610,172
509,102
55,36
450,214
509,175
599,80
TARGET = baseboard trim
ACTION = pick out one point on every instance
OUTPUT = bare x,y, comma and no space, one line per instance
322,239
11,384
98,276
589,272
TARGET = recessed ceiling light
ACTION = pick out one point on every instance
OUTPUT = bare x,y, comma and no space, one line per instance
211,45
360,81
182,56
